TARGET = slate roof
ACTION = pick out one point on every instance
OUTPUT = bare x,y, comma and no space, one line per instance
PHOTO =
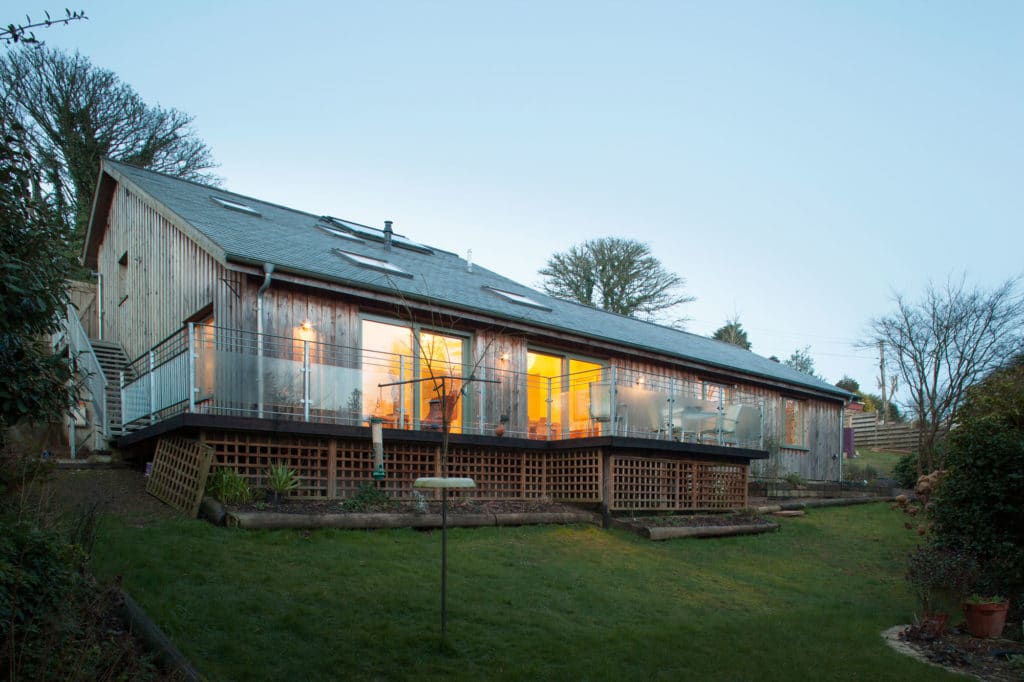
297,242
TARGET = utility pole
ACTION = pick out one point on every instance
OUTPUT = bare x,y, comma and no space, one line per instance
881,381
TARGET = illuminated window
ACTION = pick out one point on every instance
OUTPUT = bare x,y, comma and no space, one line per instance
570,380
389,358
793,423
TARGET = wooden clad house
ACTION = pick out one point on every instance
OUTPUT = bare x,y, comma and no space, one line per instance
276,336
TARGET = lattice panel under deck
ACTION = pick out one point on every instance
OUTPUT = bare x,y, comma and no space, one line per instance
573,476
252,454
402,463
720,486
180,468
640,483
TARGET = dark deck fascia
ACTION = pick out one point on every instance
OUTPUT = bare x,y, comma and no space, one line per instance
191,423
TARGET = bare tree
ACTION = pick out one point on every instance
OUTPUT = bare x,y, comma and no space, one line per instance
945,342
75,114
22,33
614,274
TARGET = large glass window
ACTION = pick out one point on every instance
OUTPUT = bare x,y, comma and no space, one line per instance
793,423
568,392
393,353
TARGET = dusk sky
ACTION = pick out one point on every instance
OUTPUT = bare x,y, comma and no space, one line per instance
796,162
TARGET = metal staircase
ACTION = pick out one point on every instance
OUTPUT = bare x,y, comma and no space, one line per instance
98,365
113,361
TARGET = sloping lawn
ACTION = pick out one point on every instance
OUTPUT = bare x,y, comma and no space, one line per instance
559,603
882,461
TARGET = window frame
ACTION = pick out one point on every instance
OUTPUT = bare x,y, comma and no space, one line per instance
416,329
800,428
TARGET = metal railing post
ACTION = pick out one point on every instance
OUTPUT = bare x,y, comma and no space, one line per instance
549,409
305,380
401,392
152,389
614,397
72,426
482,400
671,405
192,355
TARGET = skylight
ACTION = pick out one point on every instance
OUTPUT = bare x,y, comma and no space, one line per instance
373,233
519,299
340,233
372,263
235,206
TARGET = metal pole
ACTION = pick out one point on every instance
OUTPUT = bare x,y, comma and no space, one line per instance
305,379
613,396
192,367
444,562
549,409
152,389
72,435
671,406
401,392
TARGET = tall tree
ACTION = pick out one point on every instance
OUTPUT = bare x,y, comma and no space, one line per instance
848,383
801,361
732,332
32,271
74,114
617,275
943,343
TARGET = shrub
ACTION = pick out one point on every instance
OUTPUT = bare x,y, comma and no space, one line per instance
940,576
905,470
980,504
281,479
369,499
56,622
860,472
229,487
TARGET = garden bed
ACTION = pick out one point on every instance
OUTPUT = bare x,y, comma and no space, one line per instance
387,513
667,527
993,660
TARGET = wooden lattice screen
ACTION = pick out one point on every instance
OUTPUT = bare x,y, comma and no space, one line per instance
180,468
336,468
641,483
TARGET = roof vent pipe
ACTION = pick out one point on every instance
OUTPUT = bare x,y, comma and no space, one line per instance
388,232
469,260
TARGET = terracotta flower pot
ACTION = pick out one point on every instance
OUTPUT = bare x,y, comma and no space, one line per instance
499,430
986,620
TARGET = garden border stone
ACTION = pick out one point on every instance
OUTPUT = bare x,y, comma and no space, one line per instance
359,521
167,655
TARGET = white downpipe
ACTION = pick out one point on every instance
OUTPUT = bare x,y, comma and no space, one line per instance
268,269
99,305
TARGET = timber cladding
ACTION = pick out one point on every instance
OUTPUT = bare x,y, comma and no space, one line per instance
339,467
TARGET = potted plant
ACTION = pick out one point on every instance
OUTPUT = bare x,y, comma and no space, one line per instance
281,480
985,616
938,577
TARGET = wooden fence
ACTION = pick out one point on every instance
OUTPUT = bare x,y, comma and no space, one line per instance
870,434
337,468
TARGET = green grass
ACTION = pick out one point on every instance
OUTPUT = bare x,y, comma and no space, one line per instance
883,461
533,603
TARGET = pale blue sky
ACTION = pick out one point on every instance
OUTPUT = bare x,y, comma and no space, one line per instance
795,161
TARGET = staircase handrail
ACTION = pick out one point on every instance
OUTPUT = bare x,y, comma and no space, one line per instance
81,347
